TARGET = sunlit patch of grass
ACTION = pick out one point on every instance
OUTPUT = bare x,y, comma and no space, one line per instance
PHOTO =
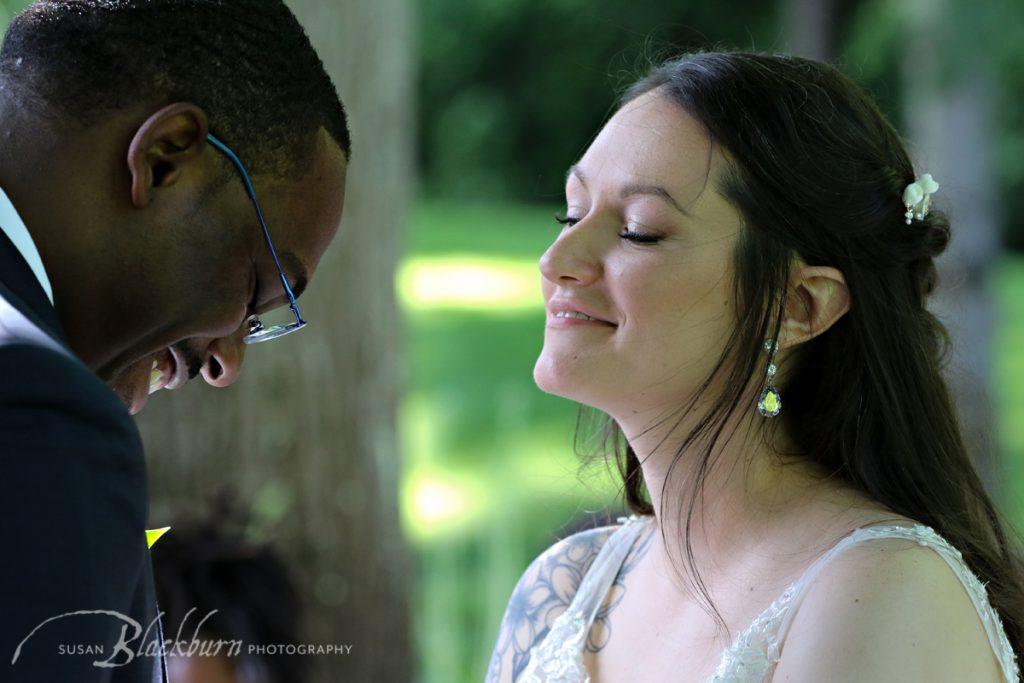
469,282
442,502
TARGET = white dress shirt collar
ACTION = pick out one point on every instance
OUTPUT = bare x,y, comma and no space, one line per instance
14,227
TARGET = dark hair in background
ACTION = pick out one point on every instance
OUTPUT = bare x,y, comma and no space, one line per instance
247,63
211,565
816,170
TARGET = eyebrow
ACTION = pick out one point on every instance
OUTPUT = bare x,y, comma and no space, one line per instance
634,189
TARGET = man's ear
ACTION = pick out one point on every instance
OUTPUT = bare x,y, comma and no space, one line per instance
817,298
165,141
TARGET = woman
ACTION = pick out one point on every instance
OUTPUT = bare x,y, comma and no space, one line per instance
739,285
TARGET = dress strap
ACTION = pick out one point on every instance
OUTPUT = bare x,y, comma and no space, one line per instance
605,567
925,536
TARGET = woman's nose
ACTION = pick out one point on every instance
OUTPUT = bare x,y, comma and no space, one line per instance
571,258
224,359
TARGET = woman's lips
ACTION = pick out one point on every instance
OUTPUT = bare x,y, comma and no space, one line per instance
554,322
575,319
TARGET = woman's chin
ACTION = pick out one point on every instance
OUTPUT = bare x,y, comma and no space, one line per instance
557,381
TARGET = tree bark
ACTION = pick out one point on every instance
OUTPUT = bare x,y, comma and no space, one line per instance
308,432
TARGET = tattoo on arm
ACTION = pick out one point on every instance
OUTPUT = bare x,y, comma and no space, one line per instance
601,629
544,591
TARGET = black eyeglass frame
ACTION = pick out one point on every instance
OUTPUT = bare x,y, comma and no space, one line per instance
257,332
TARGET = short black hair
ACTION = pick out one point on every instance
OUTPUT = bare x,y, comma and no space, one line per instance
210,563
248,63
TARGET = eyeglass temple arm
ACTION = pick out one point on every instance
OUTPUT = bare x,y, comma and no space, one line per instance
292,302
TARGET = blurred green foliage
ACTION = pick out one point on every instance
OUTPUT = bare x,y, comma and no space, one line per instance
511,91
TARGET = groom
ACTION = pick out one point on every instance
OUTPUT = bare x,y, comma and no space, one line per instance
133,258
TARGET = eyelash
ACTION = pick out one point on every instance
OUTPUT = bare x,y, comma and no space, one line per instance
636,237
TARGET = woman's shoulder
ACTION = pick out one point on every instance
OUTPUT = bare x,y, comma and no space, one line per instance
544,591
901,597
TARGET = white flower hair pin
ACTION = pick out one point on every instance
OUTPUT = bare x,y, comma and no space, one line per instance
917,197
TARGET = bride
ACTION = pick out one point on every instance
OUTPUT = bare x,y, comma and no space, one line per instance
739,286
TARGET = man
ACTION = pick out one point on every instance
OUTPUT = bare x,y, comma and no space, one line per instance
132,253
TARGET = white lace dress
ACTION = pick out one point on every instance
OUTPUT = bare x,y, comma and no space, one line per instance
558,658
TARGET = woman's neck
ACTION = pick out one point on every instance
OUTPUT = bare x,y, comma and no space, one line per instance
750,490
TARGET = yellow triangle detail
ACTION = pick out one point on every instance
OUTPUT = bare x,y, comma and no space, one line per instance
153,535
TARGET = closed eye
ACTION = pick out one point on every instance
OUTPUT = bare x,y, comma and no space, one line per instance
626,234
566,220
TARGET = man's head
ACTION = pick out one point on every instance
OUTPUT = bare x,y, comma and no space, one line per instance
147,232
214,581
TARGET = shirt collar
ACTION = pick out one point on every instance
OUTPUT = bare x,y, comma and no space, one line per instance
14,227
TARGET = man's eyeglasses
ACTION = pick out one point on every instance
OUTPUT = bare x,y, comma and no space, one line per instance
257,332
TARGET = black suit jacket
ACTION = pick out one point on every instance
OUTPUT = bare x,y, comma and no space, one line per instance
73,509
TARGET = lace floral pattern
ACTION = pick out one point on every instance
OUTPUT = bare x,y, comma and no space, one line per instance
558,658
755,650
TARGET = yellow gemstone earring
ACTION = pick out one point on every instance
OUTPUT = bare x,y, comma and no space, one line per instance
770,403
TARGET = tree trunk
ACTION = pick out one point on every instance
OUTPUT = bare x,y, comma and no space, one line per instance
809,28
949,111
308,432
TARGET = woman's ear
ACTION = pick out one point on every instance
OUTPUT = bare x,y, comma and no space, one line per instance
162,145
817,298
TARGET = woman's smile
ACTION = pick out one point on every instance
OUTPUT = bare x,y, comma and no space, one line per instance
564,320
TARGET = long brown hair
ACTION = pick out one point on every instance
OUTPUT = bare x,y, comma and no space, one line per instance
816,170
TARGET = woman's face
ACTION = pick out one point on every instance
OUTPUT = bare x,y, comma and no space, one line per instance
646,252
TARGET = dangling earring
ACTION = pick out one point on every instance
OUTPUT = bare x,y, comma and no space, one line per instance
770,403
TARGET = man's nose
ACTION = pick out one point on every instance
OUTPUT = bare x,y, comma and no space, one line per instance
224,357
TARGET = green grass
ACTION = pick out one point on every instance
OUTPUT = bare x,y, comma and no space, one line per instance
489,474
504,230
